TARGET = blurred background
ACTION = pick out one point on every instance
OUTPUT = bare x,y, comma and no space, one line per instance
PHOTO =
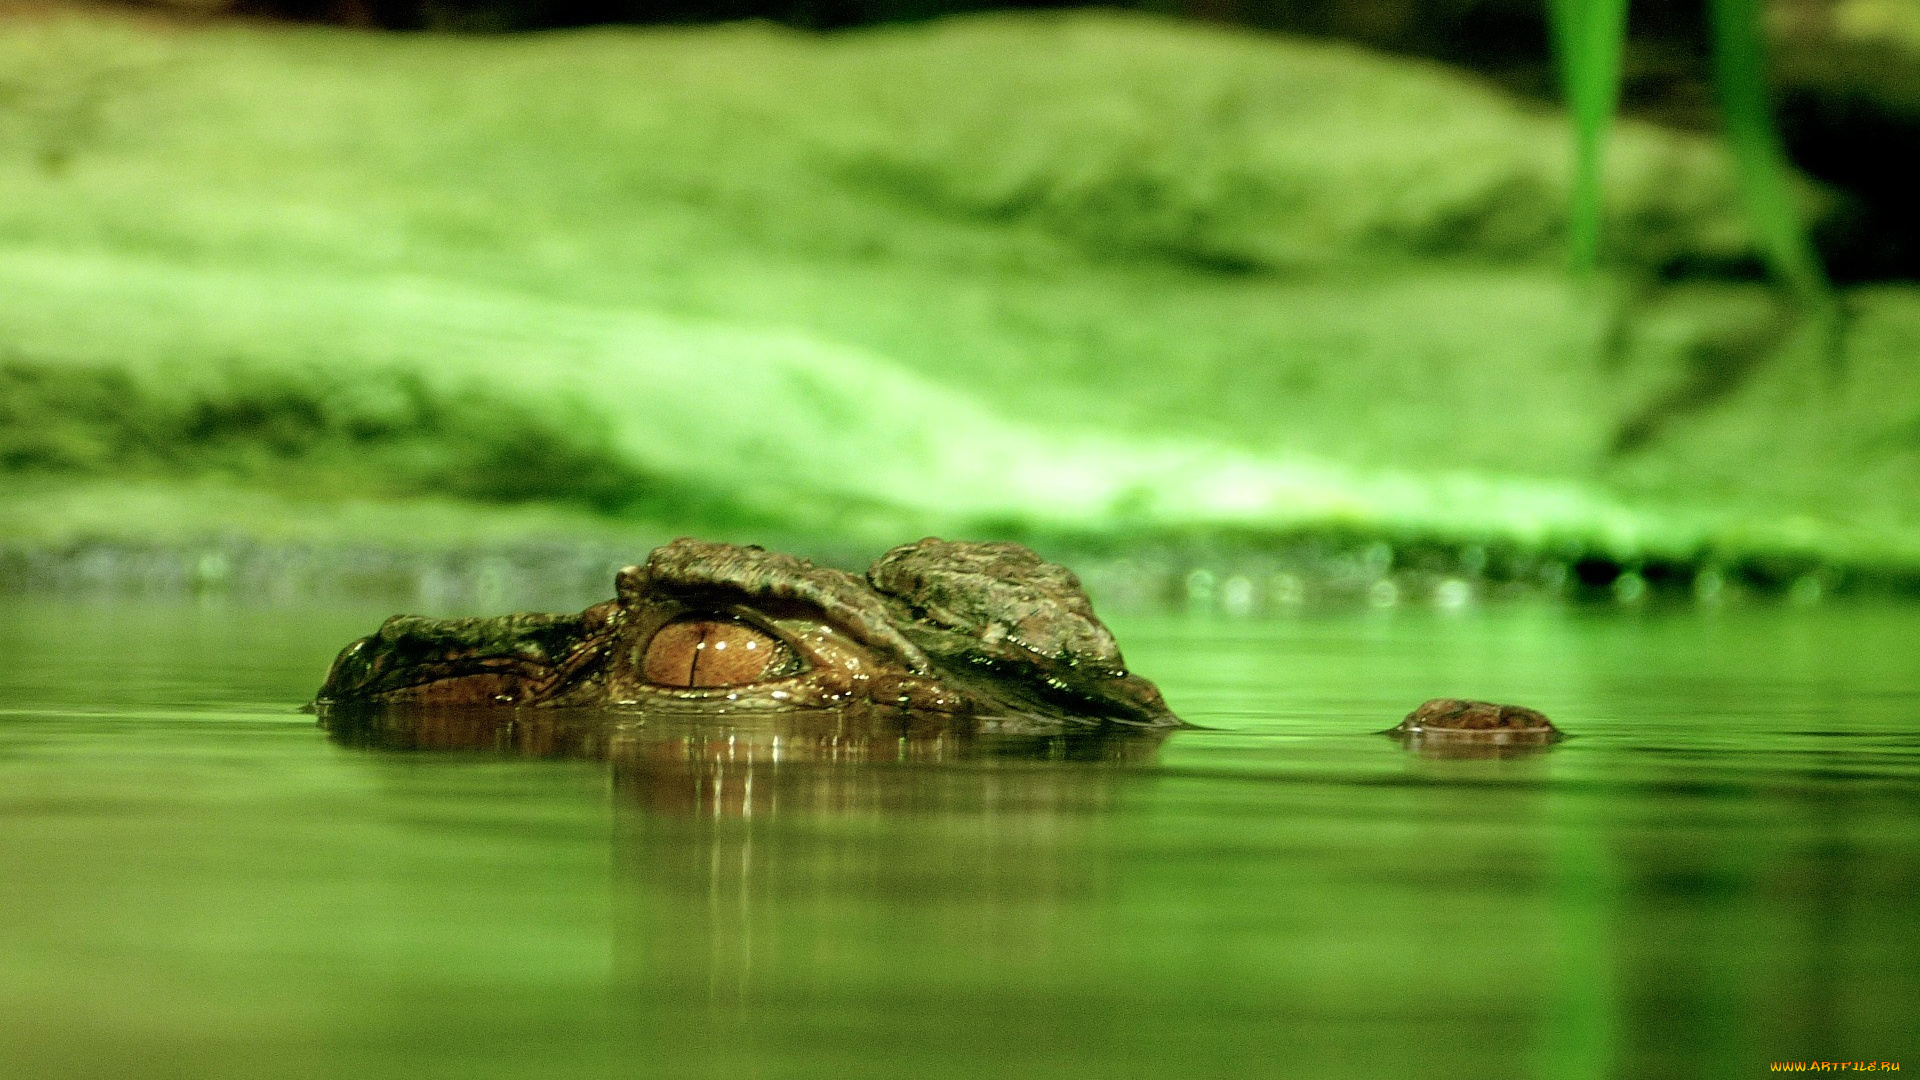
446,293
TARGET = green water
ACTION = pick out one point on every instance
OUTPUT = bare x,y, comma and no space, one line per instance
1719,871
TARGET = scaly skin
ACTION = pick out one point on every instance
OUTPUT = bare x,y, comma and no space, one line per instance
988,632
1455,727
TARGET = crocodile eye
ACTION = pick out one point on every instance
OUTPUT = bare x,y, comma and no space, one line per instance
707,651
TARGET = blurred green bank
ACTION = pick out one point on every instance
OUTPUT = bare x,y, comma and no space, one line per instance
1088,277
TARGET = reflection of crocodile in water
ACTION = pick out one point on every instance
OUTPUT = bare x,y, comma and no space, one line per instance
986,635
754,765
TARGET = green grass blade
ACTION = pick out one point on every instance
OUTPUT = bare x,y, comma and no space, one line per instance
1765,181
1588,37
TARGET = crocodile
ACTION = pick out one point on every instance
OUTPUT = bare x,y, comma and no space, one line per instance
988,636
985,633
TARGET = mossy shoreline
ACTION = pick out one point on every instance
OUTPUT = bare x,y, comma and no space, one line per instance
1213,296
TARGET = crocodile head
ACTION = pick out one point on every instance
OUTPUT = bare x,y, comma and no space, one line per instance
988,632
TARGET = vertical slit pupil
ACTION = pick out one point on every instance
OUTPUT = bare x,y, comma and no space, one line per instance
706,652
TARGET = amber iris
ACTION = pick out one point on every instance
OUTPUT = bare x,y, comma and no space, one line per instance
710,652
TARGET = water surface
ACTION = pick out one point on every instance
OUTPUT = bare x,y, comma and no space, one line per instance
1717,872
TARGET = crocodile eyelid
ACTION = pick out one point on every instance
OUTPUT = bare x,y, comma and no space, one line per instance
843,599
